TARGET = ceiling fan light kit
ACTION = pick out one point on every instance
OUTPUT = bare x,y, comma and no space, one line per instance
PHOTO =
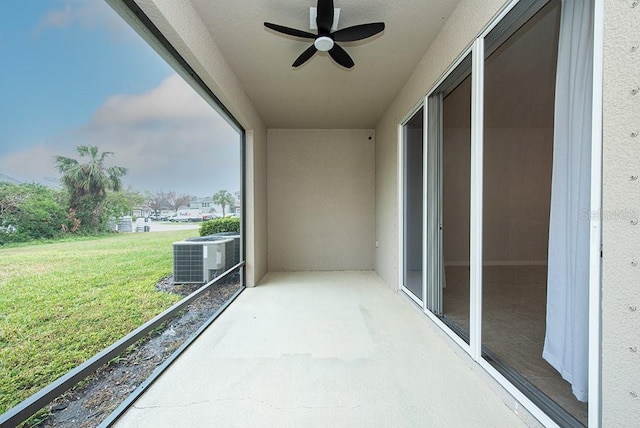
326,19
324,43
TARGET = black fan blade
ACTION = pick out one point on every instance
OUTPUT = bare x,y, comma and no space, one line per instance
305,56
290,31
358,32
324,18
340,56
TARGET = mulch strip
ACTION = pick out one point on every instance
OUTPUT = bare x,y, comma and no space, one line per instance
90,403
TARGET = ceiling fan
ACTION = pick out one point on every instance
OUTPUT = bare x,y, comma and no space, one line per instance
325,40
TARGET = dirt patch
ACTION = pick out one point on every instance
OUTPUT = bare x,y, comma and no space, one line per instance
88,405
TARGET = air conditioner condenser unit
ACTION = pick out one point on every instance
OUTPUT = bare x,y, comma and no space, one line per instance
198,261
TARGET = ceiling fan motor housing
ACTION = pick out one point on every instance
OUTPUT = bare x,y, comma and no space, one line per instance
324,43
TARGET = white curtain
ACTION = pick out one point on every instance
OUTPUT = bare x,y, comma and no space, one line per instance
567,333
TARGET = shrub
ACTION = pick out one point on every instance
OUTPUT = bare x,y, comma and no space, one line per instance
219,225
29,212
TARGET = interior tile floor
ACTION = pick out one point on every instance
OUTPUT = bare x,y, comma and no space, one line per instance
513,324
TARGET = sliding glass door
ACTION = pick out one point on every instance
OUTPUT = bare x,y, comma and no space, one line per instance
494,250
413,154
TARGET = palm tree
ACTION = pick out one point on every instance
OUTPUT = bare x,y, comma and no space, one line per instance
88,182
223,198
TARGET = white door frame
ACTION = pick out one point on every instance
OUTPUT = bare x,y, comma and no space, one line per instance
401,205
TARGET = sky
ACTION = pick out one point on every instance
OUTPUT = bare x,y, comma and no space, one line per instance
74,73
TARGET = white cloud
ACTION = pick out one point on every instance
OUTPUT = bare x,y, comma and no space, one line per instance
86,13
172,100
32,165
169,139
57,18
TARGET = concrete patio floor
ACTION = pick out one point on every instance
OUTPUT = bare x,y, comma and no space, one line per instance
309,349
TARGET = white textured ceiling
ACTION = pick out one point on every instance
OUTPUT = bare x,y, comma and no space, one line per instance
321,94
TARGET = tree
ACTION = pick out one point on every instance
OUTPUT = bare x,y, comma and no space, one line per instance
122,202
156,201
31,211
175,201
223,198
88,183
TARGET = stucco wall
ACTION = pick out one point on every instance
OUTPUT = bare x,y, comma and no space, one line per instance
256,220
464,24
184,29
321,199
621,207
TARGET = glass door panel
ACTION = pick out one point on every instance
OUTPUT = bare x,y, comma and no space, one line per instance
519,102
455,209
449,195
413,269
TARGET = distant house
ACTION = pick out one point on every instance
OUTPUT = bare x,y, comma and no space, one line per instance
237,205
204,204
209,207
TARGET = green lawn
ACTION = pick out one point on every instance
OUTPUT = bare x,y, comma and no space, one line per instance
61,303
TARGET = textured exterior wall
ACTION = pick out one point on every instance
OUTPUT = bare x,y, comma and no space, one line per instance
321,199
186,32
621,209
464,24
256,219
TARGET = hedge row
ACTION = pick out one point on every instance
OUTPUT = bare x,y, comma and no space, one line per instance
220,225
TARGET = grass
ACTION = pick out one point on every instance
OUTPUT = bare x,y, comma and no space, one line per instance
61,303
